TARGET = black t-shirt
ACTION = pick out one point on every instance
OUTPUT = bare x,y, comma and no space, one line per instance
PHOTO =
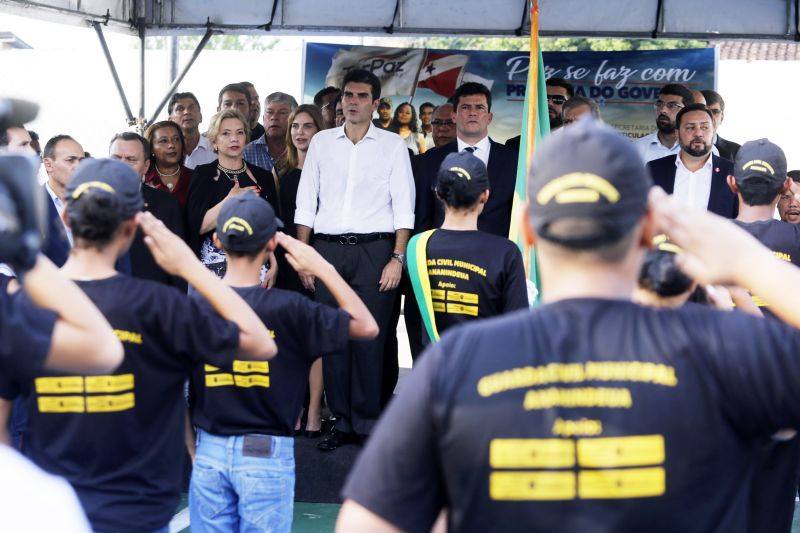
775,483
25,334
782,238
118,439
265,397
775,486
474,274
584,415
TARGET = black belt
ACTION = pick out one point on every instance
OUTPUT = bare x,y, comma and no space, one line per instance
354,238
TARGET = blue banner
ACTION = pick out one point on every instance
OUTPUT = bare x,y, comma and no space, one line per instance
624,84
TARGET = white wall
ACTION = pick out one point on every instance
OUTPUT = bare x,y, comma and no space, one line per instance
760,102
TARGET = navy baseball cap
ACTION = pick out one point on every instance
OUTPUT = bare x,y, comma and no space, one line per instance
587,171
246,222
108,177
760,159
467,168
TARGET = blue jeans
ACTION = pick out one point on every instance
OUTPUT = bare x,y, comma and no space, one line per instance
164,529
233,492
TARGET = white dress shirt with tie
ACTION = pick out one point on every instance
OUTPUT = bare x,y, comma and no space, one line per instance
365,187
482,149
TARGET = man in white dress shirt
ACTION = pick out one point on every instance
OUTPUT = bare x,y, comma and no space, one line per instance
357,194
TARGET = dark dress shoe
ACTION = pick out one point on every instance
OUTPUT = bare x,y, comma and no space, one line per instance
311,434
336,439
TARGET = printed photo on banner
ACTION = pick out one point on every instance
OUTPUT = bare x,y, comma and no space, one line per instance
624,84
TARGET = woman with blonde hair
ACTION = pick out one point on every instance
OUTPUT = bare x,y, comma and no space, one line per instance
224,178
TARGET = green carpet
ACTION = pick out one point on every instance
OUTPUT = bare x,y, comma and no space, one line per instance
314,517
308,517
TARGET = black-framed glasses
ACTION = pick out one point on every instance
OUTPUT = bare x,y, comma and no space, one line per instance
442,123
672,106
556,99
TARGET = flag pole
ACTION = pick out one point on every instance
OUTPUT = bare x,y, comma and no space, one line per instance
533,129
419,71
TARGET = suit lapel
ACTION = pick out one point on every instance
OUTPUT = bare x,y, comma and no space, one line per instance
493,168
719,198
665,177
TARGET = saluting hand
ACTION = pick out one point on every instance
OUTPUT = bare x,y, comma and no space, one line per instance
170,251
303,258
715,251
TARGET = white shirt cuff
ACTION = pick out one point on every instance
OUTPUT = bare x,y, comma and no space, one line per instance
305,218
402,221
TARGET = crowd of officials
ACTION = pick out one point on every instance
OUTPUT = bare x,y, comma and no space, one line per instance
307,229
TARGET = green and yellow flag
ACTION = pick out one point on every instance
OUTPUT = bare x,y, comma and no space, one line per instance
535,126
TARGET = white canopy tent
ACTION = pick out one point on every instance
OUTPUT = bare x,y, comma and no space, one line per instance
710,19
775,20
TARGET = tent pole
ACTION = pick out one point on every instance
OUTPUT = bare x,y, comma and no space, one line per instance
113,69
141,124
177,81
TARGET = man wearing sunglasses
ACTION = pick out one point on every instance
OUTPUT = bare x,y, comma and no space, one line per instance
664,141
558,91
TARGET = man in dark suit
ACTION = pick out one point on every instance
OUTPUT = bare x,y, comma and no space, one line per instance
716,105
133,150
61,157
472,115
695,176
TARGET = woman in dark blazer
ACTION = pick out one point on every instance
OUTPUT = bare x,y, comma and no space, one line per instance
215,182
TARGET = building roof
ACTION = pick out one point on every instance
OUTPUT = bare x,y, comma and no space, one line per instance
759,50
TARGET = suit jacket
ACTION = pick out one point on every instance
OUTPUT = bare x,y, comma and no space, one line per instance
139,262
502,169
727,149
56,245
721,200
513,142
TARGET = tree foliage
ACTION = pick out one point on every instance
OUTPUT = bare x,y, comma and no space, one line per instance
248,43
548,44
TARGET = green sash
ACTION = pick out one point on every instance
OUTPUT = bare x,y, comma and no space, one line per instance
418,273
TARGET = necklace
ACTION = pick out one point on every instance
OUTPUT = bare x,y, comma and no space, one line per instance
229,171
164,174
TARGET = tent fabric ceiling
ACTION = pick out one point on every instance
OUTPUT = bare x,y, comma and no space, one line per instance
710,19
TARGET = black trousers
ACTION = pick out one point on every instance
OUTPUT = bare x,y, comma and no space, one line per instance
353,380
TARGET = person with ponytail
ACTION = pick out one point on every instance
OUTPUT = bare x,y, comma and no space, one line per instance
469,274
118,438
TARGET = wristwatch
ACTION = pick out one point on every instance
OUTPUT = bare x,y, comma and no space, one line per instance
400,257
